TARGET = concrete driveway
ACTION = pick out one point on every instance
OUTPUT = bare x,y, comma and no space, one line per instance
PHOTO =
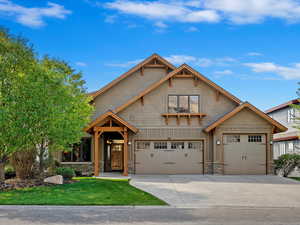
212,190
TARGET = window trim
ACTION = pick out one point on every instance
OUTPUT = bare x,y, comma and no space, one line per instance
255,139
189,102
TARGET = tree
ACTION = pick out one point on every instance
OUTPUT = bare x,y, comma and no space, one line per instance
16,59
286,163
44,107
62,108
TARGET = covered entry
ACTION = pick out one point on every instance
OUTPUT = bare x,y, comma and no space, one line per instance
245,154
169,157
110,134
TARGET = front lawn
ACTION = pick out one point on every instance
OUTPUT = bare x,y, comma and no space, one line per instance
88,191
295,178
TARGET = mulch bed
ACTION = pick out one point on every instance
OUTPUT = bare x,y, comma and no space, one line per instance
13,184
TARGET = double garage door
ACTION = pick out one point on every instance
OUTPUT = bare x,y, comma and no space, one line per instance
244,154
169,157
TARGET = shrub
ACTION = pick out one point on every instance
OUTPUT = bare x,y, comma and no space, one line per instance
286,163
78,173
66,172
9,172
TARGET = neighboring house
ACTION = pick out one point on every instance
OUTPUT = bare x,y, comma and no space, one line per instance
287,142
161,119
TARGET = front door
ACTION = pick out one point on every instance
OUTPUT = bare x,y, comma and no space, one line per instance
116,156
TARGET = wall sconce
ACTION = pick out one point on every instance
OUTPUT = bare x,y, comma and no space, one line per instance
218,142
129,142
271,142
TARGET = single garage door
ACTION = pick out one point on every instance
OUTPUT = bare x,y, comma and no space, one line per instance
169,157
244,154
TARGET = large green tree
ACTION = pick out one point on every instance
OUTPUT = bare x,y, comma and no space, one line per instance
45,110
16,59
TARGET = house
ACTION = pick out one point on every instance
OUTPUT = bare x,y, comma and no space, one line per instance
287,142
161,119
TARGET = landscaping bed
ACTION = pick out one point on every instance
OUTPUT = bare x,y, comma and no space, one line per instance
16,184
86,191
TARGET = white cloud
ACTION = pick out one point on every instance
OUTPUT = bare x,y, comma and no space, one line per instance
32,17
196,11
125,64
161,25
180,59
288,73
165,10
254,54
255,11
188,59
192,29
110,19
198,61
82,64
224,72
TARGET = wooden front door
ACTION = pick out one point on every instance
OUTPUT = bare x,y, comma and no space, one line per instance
117,156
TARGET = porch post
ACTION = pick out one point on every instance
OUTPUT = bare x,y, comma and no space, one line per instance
96,154
125,159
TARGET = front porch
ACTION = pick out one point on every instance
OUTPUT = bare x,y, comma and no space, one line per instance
110,149
113,175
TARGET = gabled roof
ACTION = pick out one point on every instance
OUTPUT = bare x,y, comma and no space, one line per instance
115,117
131,71
170,75
284,105
278,126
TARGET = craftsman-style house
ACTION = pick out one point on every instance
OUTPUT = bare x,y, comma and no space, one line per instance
161,119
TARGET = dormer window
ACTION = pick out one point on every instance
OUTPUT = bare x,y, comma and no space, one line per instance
183,104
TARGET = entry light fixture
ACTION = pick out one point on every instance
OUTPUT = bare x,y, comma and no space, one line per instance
218,142
129,142
271,142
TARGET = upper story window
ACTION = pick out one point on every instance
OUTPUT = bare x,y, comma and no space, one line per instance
183,104
290,115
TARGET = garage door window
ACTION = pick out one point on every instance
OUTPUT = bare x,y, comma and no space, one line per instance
177,145
143,145
195,145
233,138
254,138
160,145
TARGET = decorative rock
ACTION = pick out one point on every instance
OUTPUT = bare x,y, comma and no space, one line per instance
58,179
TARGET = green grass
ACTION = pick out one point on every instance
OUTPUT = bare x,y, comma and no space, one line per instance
295,178
88,191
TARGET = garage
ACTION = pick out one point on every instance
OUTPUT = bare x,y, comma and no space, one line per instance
169,157
244,154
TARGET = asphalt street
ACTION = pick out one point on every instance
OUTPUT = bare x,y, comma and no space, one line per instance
89,215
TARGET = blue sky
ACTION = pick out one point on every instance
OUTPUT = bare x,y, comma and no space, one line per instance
251,48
